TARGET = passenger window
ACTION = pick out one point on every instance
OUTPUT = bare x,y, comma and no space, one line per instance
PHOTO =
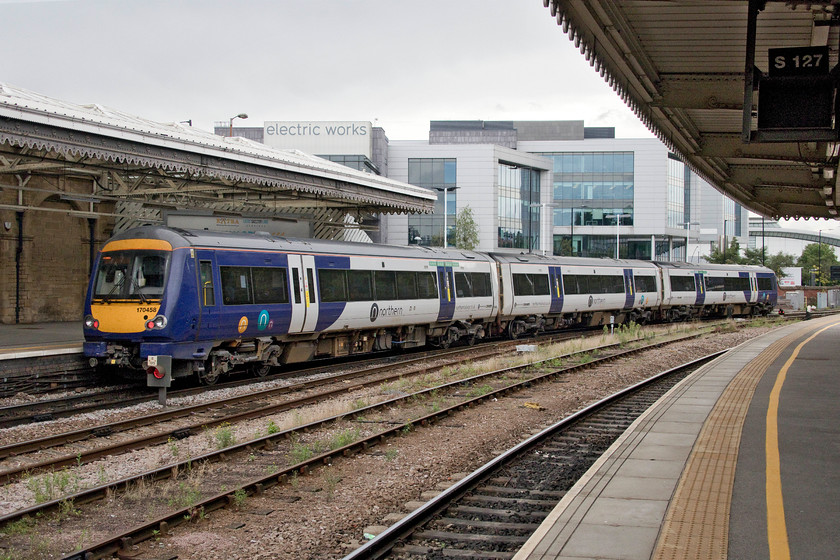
540,282
236,285
427,285
360,285
406,285
270,285
682,284
310,292
463,287
480,284
332,285
645,283
208,293
385,283
296,284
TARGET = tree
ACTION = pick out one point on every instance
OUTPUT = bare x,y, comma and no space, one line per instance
466,230
817,255
779,261
754,256
732,254
774,262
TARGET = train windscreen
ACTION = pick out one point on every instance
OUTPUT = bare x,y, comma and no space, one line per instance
133,275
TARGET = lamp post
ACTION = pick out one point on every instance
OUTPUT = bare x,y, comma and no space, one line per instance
617,217
239,116
445,190
763,249
543,238
724,241
687,226
819,260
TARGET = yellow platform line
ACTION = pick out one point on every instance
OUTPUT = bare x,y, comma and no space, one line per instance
696,524
777,537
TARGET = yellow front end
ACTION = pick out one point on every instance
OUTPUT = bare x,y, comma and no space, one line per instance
124,317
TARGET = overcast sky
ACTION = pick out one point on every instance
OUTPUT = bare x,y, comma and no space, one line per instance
396,63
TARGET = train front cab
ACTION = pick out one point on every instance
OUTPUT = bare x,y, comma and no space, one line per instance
123,295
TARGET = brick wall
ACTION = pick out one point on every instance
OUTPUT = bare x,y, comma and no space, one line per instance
56,252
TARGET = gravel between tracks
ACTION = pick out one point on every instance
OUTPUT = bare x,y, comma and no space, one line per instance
325,514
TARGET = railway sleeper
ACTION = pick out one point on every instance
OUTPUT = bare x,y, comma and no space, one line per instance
493,525
500,490
483,499
414,550
495,513
473,539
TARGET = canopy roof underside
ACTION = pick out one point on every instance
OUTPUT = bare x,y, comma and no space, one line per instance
681,66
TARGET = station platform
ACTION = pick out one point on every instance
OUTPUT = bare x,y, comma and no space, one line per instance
40,339
739,461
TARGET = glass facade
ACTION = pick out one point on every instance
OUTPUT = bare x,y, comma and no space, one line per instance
678,178
591,189
677,209
438,174
519,207
360,163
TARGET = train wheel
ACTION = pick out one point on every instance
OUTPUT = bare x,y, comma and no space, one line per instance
260,370
212,371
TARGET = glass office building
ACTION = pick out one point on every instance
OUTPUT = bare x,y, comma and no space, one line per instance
437,174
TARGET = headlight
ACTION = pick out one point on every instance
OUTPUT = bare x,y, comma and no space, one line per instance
91,323
158,322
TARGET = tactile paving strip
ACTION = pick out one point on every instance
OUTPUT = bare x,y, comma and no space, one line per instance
697,522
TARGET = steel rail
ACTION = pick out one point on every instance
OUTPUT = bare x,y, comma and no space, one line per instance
9,475
150,529
380,546
9,416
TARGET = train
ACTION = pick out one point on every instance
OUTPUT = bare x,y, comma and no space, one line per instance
217,302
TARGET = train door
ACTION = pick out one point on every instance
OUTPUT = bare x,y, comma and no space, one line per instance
700,287
629,289
446,289
751,296
304,301
208,295
296,286
555,278
310,292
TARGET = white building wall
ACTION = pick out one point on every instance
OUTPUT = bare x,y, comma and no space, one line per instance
476,179
650,182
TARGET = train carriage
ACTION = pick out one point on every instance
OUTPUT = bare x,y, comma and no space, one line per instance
215,301
541,292
696,290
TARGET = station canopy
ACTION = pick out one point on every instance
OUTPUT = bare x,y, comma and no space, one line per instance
144,167
744,91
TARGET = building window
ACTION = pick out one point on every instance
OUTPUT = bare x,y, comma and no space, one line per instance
676,193
519,207
440,175
360,163
590,189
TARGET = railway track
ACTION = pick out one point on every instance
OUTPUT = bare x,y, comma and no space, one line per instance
215,413
259,484
493,511
125,396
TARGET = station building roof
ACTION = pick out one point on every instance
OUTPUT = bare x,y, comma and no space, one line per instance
170,165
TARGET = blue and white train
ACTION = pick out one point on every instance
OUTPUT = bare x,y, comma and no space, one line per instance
215,302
